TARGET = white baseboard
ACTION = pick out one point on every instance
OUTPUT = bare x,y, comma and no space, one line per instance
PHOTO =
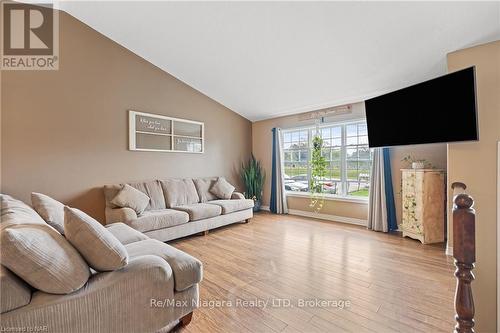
328,217
449,250
321,216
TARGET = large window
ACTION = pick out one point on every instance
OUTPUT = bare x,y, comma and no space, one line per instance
345,148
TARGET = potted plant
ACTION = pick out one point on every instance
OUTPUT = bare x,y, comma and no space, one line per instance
253,177
318,174
415,163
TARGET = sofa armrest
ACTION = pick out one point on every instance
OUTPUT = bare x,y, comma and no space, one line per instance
187,270
119,214
125,234
237,195
125,300
15,292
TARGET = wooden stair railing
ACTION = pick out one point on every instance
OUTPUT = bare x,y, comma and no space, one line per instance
464,252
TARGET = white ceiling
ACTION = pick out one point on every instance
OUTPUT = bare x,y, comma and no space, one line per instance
267,59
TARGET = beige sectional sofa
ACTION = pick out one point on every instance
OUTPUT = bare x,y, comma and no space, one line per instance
178,208
123,300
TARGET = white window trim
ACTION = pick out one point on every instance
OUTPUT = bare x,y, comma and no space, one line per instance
330,197
343,180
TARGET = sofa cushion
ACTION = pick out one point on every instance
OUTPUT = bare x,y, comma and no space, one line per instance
98,246
151,188
122,214
154,191
14,212
222,189
15,292
237,195
179,192
187,269
200,211
42,257
132,198
124,233
203,186
229,206
158,219
110,192
52,211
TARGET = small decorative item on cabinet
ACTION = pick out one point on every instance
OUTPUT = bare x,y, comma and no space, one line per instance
418,165
423,201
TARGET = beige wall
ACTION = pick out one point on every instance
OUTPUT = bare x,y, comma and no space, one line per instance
262,149
65,132
352,210
475,164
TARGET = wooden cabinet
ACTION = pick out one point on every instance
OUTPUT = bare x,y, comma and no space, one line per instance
423,199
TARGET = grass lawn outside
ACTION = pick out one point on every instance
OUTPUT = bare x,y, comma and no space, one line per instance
360,193
330,174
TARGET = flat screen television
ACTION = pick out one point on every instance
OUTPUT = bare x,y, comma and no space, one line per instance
438,110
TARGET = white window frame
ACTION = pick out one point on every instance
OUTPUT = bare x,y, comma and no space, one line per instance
172,135
343,160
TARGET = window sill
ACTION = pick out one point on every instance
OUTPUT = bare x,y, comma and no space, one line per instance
329,197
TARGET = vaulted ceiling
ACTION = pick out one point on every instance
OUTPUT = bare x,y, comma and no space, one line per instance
267,59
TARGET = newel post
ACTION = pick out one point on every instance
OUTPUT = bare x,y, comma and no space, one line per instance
464,252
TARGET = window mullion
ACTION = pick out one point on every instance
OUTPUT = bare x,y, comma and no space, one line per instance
309,147
343,161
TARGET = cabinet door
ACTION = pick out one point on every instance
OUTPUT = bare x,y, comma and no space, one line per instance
419,201
411,219
433,214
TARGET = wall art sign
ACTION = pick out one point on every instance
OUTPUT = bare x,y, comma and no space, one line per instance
153,132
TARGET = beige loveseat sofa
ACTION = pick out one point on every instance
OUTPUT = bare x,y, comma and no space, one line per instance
125,300
178,208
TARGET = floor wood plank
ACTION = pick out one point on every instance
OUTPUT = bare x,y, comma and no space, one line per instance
393,284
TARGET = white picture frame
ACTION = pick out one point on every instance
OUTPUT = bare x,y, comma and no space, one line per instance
158,133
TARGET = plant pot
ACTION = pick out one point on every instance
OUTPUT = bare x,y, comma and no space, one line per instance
418,165
256,206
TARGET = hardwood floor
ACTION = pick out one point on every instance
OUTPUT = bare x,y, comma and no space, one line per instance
393,284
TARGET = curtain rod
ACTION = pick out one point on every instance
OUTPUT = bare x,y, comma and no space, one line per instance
325,124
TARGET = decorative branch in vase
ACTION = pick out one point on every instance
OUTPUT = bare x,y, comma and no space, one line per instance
416,163
253,177
318,174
